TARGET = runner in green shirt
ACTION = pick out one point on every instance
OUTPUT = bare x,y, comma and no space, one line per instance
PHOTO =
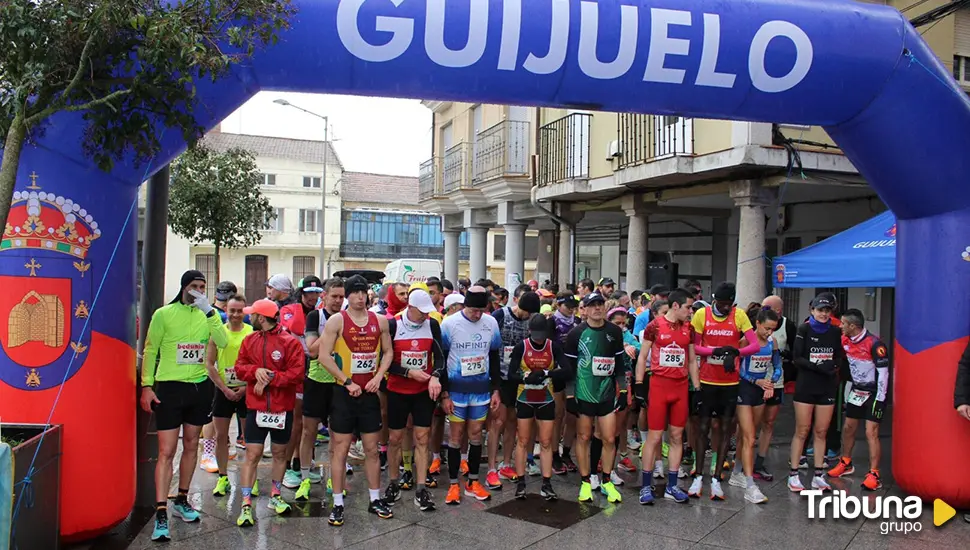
174,363
595,351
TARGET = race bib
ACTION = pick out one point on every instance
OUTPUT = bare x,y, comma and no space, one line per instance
414,360
507,354
819,357
858,398
271,421
231,379
759,364
603,366
189,353
473,366
673,356
363,363
715,360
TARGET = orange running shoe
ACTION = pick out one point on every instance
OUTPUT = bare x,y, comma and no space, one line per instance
626,464
475,490
464,467
508,473
435,468
843,468
493,481
872,481
453,497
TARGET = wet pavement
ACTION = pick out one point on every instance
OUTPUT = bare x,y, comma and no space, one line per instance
506,523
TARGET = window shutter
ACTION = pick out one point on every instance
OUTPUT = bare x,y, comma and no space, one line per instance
961,32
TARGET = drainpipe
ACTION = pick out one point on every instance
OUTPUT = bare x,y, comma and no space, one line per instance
558,220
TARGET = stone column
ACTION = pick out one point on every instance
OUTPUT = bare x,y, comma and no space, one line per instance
477,249
546,259
751,199
637,243
451,255
514,255
567,252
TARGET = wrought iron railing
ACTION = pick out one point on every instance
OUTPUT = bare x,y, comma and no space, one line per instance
502,150
564,149
456,169
645,138
428,187
394,251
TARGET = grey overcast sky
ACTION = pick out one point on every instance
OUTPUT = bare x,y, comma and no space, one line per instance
378,135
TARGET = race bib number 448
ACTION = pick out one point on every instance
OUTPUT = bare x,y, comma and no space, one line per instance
603,366
189,353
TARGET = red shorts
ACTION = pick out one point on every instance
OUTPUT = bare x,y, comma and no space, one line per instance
667,402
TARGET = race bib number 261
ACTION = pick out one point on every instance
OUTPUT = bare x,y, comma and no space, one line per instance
189,353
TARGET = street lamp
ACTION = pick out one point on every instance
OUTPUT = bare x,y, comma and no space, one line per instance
323,182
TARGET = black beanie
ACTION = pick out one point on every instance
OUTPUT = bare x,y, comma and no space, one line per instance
529,302
725,291
187,278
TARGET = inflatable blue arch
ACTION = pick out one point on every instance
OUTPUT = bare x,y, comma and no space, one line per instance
859,70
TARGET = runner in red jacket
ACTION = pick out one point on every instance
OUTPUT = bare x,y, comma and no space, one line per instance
270,361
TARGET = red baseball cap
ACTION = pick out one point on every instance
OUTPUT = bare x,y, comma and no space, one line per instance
264,307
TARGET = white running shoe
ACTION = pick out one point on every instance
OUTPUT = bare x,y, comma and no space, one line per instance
208,463
795,484
738,479
658,469
754,495
631,442
356,451
818,482
616,479
683,472
594,482
716,492
696,487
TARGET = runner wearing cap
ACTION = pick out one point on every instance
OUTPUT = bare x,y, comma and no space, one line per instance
453,303
817,354
279,288
270,361
563,321
178,389
293,317
351,350
606,286
225,290
417,355
595,349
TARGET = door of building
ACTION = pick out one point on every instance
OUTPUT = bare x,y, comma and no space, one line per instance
257,272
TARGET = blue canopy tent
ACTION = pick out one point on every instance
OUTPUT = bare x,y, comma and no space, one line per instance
863,256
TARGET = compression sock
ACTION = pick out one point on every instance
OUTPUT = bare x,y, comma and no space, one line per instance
182,497
595,453
474,460
454,464
296,465
672,478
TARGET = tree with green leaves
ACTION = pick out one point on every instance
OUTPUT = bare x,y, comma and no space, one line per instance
130,66
216,198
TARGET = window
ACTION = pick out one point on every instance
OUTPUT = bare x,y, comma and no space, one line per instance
311,182
531,252
269,179
274,222
961,69
303,266
206,263
394,235
308,221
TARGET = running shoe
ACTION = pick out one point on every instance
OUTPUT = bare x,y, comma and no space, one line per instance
646,495
520,491
475,490
292,479
435,468
463,467
383,456
683,472
303,493
819,482
696,487
872,481
208,463
795,484
185,511
255,491
558,466
356,451
393,493
567,461
431,482
664,449
232,452
222,487
716,492
533,469
407,481
314,476
380,509
453,497
615,479
267,448
843,468
350,469
547,492
612,495
585,492
422,499
658,470
676,494
323,436
594,482
626,465
802,463
160,532
809,451
738,479
632,442
507,473
762,473
240,443
245,518
734,444
754,495
831,455
278,505
336,516
492,481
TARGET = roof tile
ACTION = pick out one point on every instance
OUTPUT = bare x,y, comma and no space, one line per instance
303,150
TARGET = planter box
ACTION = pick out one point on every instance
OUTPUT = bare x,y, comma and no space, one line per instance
38,520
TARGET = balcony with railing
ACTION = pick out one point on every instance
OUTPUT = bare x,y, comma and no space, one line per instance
564,149
647,138
388,251
457,168
502,159
430,193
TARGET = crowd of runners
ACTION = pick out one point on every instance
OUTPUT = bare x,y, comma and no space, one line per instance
429,380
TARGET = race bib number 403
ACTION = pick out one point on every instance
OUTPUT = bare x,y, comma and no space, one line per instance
363,363
603,366
414,360
189,353
270,420
474,365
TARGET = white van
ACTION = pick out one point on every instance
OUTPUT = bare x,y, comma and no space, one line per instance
411,271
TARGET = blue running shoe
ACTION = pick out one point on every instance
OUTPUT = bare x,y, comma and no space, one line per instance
646,495
186,512
160,533
675,493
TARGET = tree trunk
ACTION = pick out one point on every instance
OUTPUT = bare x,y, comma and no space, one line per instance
218,266
12,148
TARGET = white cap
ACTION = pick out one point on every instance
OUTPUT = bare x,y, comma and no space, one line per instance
453,298
280,282
421,300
